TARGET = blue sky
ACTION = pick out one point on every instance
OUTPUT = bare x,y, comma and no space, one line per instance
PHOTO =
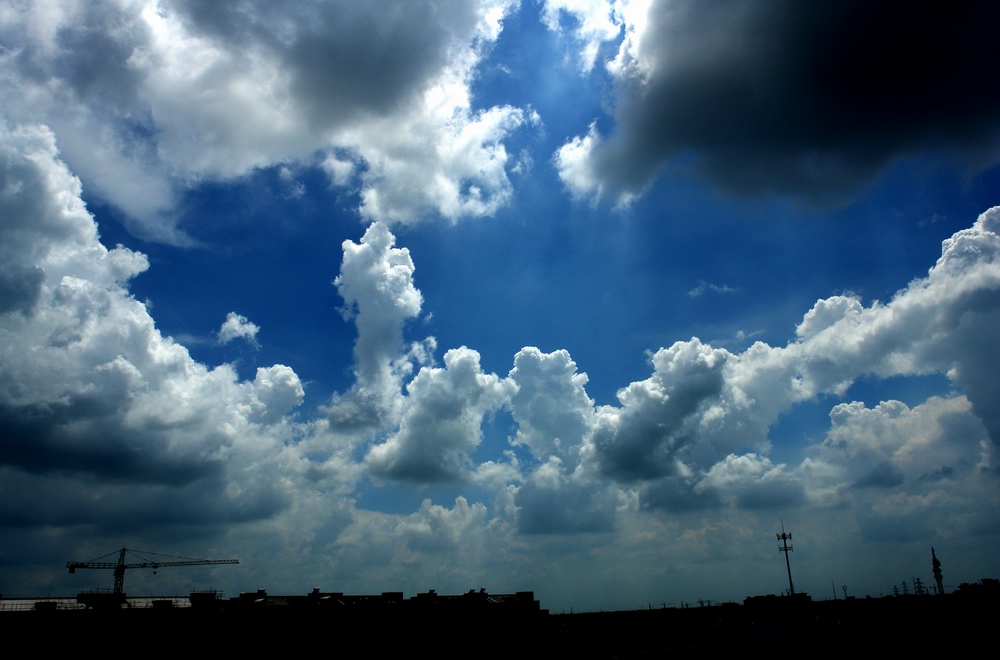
584,298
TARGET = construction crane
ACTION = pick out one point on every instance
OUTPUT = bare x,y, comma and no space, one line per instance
120,565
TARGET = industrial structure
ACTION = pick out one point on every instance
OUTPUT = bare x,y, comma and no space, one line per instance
117,596
784,547
936,566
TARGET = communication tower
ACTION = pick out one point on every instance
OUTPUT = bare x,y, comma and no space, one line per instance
784,547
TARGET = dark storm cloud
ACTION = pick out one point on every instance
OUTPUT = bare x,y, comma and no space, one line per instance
77,437
19,287
678,496
883,475
36,501
812,99
567,509
94,57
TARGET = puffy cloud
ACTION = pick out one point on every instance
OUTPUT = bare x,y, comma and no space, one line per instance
376,283
277,391
150,96
95,404
753,482
809,100
696,433
451,547
441,421
893,445
551,407
908,472
649,434
106,425
238,327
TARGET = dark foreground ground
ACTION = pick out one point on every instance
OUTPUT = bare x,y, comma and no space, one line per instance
871,626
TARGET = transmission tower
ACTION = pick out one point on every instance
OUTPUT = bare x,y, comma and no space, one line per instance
937,572
784,547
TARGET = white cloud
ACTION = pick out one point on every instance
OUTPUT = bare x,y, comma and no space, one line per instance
649,435
695,434
276,392
238,327
94,399
97,406
753,482
149,97
551,407
593,23
442,421
573,160
704,286
908,472
549,502
376,283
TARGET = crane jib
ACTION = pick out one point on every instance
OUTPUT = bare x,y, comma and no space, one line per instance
120,566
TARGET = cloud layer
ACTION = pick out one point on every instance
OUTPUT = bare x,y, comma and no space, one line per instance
98,406
429,470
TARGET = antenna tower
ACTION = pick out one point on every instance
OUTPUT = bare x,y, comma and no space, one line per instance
784,547
936,563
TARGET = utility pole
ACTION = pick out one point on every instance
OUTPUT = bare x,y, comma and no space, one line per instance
784,547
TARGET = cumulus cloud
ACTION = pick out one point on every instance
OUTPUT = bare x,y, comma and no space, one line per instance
376,283
549,502
238,327
553,412
808,100
93,399
891,444
150,97
105,424
646,436
442,421
696,434
753,482
907,472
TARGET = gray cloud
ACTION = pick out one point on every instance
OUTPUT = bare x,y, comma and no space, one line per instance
807,99
566,508
334,51
645,437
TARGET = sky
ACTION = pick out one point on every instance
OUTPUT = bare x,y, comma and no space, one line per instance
582,297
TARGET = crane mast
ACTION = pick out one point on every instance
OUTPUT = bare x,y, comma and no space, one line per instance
120,565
